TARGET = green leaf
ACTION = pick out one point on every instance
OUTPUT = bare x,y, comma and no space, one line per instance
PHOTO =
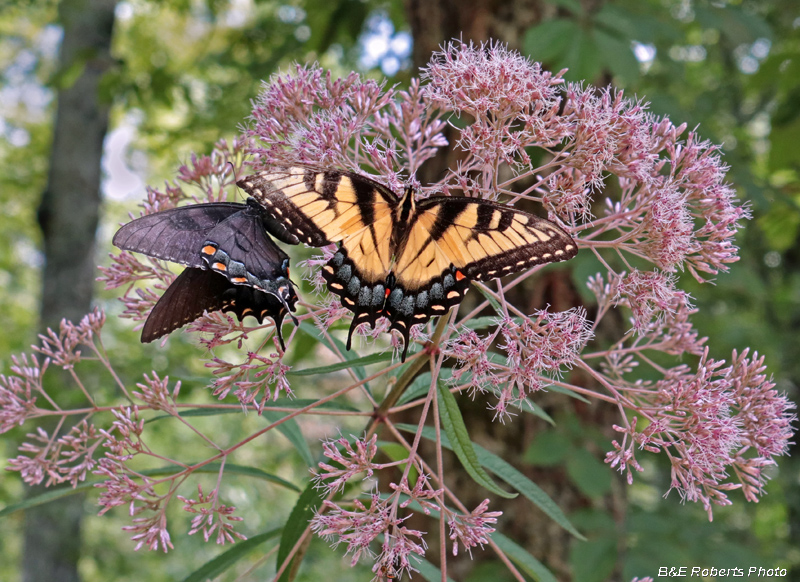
312,331
617,56
481,322
356,362
422,384
336,346
303,402
549,41
198,412
547,449
582,57
307,504
593,561
67,491
781,223
523,559
279,403
430,572
538,411
490,298
397,452
456,431
213,568
510,475
568,392
418,388
246,471
591,476
291,430
54,494
573,6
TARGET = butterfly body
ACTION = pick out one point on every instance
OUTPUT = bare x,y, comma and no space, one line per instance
232,263
399,258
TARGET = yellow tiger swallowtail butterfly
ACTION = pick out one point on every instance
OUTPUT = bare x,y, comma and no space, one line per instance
400,258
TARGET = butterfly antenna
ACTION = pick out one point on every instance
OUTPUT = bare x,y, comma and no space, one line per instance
233,171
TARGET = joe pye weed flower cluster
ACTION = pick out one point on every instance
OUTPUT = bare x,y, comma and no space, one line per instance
644,198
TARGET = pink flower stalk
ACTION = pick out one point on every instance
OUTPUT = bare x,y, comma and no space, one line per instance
709,422
18,392
472,530
251,379
155,392
352,460
215,517
359,528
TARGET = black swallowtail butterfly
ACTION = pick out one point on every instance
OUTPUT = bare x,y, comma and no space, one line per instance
233,264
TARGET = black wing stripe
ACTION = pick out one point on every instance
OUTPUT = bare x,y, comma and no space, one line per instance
330,185
446,217
365,200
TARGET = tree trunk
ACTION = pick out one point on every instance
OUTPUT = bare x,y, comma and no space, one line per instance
68,216
434,22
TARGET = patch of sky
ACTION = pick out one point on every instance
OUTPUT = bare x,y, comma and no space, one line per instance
382,47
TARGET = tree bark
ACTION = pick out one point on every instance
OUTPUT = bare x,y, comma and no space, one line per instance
68,215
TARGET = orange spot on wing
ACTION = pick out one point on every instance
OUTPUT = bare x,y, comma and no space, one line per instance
209,250
220,267
460,276
239,280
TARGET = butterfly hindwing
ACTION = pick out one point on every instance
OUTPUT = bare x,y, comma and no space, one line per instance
365,298
176,234
190,294
196,291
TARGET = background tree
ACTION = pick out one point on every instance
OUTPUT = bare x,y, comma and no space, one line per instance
68,215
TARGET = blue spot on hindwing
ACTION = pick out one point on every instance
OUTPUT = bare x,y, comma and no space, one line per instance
344,273
395,298
354,286
407,307
437,293
378,295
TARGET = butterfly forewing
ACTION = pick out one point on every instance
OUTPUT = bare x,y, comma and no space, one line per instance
239,248
487,240
176,234
319,207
